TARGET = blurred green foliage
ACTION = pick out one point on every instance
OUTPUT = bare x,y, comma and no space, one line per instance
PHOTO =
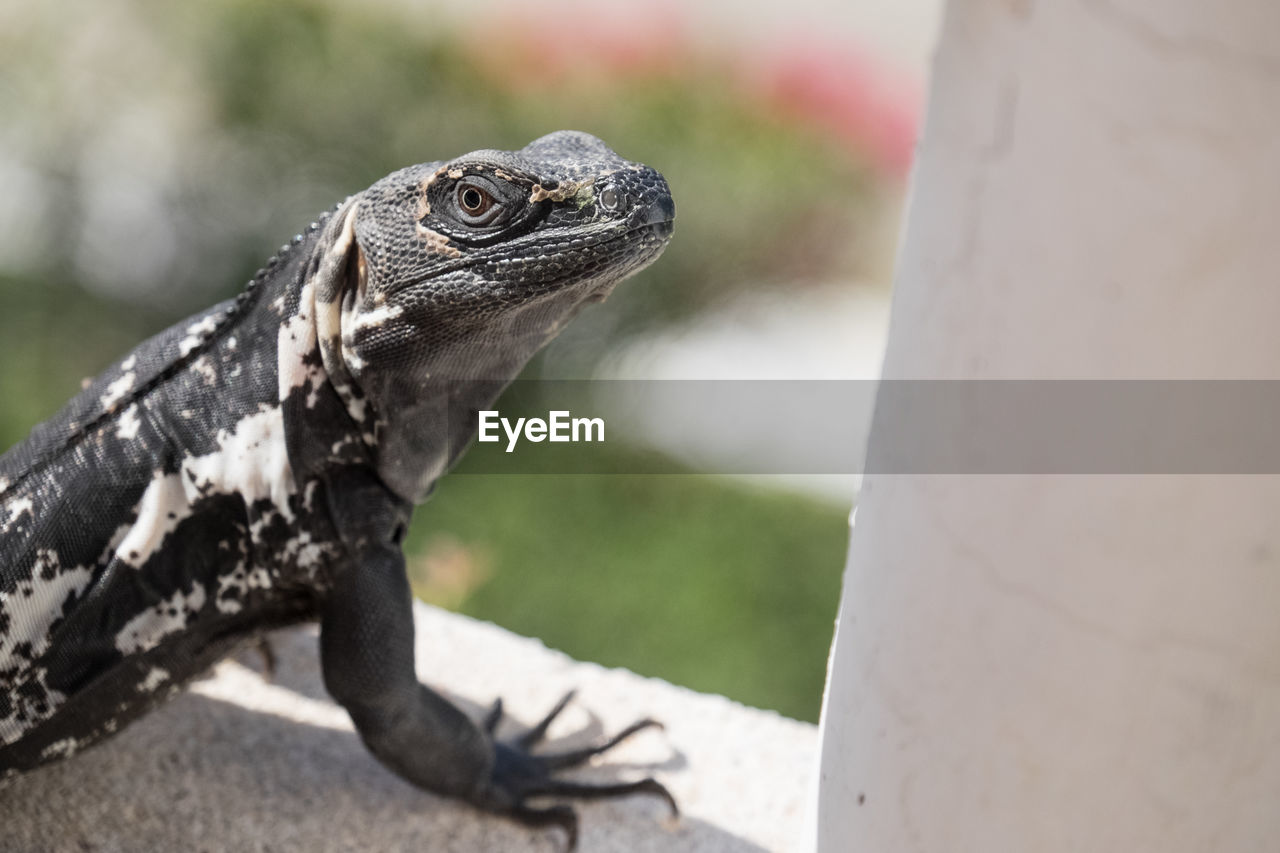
155,154
694,579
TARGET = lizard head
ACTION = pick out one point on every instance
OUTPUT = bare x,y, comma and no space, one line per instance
504,232
458,272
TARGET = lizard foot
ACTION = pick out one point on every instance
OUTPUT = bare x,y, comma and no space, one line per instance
519,775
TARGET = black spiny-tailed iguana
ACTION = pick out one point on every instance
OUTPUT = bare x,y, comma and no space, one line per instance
256,465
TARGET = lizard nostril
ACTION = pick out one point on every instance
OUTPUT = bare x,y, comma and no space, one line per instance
662,209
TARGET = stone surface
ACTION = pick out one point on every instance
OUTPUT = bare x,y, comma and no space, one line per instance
239,764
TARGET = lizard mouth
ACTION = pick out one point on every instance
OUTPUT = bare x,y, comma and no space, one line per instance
650,239
650,233
657,218
661,211
662,230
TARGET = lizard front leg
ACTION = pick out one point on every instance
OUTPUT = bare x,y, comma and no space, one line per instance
367,652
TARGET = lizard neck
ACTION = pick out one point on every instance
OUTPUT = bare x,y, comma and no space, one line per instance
327,423
425,388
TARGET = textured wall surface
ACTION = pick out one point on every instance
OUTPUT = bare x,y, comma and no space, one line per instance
1055,661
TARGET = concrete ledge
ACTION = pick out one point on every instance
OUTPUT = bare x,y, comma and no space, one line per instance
237,764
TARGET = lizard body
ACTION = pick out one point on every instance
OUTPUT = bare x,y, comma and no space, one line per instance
256,464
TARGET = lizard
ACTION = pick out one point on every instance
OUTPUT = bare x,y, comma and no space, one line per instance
256,466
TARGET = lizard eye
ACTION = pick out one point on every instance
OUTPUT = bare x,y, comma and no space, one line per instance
478,208
475,203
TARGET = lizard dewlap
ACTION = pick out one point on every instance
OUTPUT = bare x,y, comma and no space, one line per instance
256,464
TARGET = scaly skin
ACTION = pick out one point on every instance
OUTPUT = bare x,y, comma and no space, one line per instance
256,464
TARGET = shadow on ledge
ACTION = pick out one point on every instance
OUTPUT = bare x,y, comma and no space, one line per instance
239,764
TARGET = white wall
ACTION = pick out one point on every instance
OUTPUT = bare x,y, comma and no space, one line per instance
1054,662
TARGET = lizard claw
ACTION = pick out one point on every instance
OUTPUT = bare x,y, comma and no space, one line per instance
538,733
519,775
491,719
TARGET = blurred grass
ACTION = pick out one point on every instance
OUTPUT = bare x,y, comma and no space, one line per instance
699,580
53,335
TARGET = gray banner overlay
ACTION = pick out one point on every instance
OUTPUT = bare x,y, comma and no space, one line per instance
896,427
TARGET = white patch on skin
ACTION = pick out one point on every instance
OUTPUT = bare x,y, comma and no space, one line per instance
295,340
129,424
204,366
64,748
229,605
118,537
163,505
336,449
35,603
47,562
233,581
232,343
116,390
348,325
251,460
241,581
437,243
377,316
308,555
153,679
355,405
17,508
129,363
329,317
563,191
31,608
4,483
33,711
196,333
433,177
145,631
305,553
